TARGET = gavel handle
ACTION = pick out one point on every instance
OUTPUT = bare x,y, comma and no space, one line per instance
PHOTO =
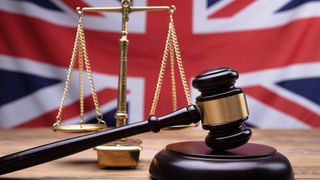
59,149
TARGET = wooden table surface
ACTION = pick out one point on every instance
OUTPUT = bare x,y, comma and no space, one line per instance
302,148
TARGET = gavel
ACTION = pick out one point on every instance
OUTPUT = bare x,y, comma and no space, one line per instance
221,107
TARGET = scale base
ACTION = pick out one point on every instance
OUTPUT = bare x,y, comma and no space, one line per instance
194,160
123,153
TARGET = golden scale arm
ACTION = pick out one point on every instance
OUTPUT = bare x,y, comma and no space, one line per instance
125,152
121,115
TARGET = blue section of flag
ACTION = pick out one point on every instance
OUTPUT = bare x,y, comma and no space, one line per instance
212,2
16,85
304,87
294,4
44,4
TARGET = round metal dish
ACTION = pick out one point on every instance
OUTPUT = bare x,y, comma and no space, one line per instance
78,128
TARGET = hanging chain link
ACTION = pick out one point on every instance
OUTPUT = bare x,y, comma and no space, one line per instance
99,115
69,75
80,50
173,79
81,87
180,64
160,77
173,48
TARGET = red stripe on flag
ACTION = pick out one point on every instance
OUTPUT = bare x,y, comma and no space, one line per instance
71,110
285,105
231,9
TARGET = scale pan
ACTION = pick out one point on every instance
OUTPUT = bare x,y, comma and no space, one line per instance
78,128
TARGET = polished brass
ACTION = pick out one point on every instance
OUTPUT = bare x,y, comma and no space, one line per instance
171,49
78,128
224,110
115,152
121,114
173,79
80,51
125,9
131,9
123,154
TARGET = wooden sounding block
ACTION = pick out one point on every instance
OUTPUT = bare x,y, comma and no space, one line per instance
195,160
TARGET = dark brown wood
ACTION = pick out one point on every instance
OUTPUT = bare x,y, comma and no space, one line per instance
216,84
194,160
55,150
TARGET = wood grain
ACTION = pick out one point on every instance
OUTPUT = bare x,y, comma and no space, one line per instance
302,148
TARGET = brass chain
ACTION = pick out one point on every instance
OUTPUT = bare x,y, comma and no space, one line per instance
180,64
80,48
99,115
173,79
69,75
81,87
160,77
173,47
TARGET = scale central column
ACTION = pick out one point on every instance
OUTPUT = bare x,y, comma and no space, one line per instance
121,115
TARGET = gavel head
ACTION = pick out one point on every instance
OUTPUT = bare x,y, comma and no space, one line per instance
223,108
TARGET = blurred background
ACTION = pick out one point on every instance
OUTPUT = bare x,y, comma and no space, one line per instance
273,44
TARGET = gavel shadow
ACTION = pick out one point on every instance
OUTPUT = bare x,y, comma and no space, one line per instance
79,162
91,163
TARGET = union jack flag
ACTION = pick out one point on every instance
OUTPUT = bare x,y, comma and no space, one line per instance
272,43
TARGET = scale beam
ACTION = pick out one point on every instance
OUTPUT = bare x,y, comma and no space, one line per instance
131,9
121,115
